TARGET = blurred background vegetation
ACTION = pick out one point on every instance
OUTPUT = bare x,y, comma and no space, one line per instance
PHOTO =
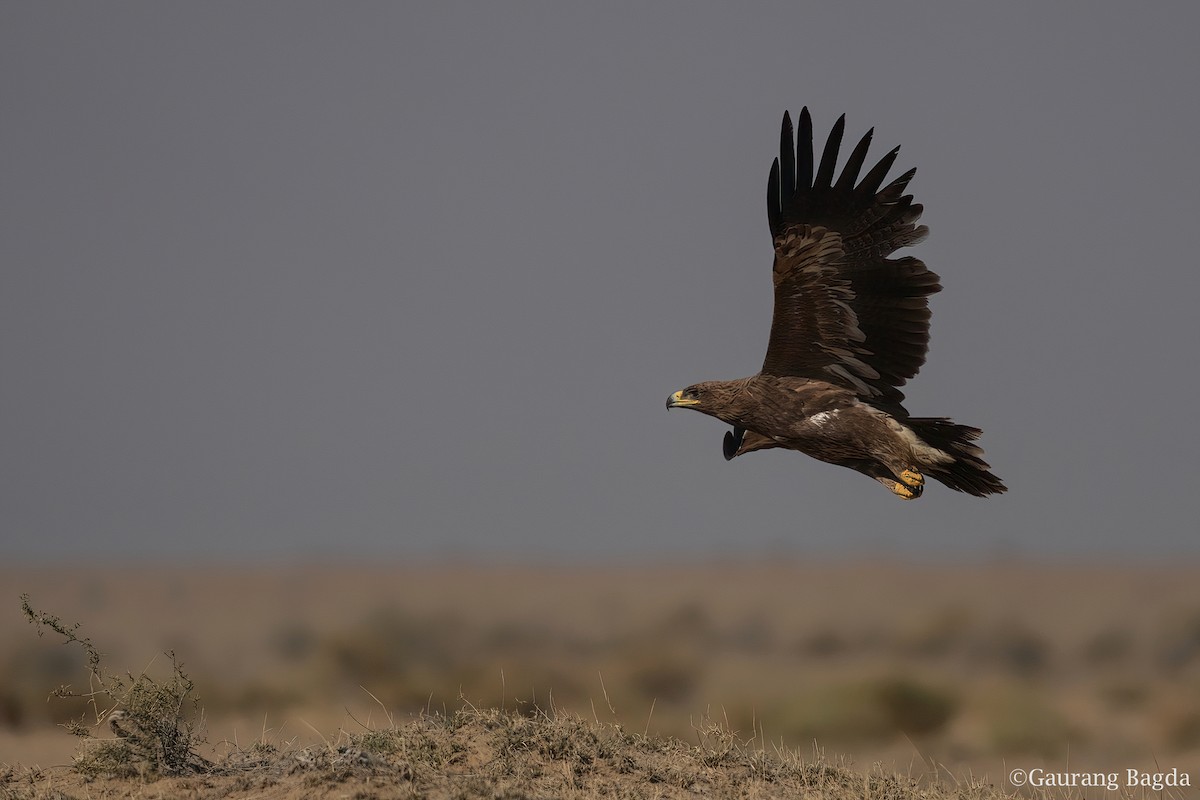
950,665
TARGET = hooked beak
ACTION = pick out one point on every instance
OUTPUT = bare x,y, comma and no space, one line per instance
677,401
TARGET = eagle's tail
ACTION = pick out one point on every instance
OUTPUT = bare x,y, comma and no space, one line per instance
966,471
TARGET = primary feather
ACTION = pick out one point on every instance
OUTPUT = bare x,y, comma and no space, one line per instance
844,311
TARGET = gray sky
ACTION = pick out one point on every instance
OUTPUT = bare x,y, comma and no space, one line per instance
392,280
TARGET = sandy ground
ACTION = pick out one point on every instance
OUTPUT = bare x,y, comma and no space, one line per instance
1019,661
491,754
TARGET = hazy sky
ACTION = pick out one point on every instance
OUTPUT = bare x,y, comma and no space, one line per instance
287,280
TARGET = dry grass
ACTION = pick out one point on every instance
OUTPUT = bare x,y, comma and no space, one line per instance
495,754
953,670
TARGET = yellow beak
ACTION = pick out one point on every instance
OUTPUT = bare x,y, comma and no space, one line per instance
676,401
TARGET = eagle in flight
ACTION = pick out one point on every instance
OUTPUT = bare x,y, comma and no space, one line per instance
851,325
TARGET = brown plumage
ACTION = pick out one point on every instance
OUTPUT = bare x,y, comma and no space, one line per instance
851,325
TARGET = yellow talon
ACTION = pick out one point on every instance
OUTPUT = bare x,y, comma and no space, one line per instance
900,490
912,478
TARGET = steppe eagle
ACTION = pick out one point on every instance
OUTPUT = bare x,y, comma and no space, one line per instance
851,325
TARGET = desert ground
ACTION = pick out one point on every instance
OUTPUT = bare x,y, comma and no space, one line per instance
946,674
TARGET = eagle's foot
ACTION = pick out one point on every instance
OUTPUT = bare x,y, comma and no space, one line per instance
900,490
913,480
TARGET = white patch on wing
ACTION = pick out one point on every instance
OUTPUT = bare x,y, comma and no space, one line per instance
821,418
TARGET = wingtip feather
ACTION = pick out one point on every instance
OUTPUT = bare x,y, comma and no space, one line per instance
871,183
829,156
855,162
787,159
774,200
804,150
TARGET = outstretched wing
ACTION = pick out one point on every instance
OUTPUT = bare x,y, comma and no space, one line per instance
844,311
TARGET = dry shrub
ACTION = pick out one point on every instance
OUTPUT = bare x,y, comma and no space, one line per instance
1124,694
868,711
937,636
1183,730
663,673
823,643
1020,722
156,722
1110,647
1013,648
914,708
1178,643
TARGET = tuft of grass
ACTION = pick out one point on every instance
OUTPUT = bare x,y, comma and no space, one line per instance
493,753
156,722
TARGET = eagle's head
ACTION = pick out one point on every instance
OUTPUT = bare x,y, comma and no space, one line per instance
691,397
728,401
710,397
